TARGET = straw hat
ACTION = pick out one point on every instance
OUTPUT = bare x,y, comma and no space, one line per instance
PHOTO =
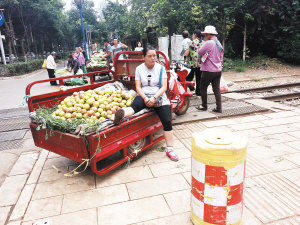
209,30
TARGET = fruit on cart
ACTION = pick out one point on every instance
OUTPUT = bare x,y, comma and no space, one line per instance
92,105
96,60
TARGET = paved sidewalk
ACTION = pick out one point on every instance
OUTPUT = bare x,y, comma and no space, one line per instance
155,190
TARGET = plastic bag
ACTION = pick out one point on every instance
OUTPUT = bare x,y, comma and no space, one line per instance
84,69
44,66
77,81
174,84
79,71
223,85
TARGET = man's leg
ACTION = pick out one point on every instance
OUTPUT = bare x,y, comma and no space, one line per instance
51,75
198,80
205,81
190,77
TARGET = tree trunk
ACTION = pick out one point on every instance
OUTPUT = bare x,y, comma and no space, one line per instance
23,50
224,33
244,49
28,42
35,46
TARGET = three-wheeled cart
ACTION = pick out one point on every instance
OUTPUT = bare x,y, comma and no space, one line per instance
137,131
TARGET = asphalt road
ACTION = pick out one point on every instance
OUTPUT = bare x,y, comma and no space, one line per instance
12,91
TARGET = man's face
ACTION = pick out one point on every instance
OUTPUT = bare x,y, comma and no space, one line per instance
105,43
115,42
70,59
77,50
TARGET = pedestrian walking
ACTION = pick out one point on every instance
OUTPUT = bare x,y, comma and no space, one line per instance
151,85
193,60
211,67
51,65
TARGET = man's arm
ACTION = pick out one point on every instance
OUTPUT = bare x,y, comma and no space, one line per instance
205,47
108,54
124,46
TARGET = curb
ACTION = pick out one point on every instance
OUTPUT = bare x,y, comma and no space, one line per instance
27,75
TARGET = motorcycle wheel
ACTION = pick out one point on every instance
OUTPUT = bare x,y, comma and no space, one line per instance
184,107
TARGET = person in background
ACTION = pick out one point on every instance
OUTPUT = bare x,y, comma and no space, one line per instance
117,47
147,76
108,51
73,64
51,65
193,60
211,67
79,56
186,41
139,47
82,51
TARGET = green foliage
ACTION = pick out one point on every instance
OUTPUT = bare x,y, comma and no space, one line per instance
239,69
257,79
24,67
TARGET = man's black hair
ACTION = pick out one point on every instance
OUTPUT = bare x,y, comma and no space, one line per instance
185,34
198,33
115,38
105,40
147,48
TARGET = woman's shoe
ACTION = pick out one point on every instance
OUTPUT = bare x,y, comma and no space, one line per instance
200,108
217,110
172,155
118,116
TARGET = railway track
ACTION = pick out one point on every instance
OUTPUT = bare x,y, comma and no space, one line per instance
275,97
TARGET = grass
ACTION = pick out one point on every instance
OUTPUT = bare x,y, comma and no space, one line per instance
269,78
239,69
257,80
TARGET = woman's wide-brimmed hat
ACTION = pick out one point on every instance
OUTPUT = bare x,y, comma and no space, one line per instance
209,30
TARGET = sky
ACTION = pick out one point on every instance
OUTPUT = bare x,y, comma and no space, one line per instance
69,2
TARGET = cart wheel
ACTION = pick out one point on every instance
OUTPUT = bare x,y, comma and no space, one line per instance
137,145
184,107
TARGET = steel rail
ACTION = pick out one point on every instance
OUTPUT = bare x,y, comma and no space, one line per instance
281,97
266,88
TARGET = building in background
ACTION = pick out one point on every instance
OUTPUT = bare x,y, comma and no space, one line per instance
102,5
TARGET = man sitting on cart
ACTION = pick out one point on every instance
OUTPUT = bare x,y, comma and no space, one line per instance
147,80
73,64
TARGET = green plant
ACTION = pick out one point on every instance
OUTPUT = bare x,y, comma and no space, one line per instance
239,69
257,79
269,78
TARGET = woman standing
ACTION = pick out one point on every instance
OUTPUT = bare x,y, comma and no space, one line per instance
51,65
139,47
147,79
79,56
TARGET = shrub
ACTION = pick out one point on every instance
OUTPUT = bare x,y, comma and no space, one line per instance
23,67
239,69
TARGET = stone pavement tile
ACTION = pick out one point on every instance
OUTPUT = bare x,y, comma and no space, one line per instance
24,164
295,158
179,219
187,143
23,201
167,168
179,127
282,114
124,176
64,186
158,157
254,167
35,173
85,217
15,222
59,162
279,121
187,176
3,214
278,163
246,126
249,133
295,133
29,145
222,122
292,221
196,127
292,175
251,144
180,201
133,211
268,140
52,174
43,208
270,207
262,152
254,118
186,133
157,186
11,189
277,129
296,125
94,198
249,218
236,95
7,161
294,144
53,155
281,188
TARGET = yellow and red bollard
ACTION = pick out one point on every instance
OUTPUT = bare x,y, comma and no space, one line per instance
218,174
